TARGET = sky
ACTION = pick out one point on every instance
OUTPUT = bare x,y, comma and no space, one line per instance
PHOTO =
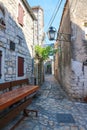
49,7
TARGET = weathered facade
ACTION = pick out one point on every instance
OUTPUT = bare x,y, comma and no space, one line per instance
71,67
39,25
16,40
39,40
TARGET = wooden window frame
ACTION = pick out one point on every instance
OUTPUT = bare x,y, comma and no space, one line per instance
20,14
20,66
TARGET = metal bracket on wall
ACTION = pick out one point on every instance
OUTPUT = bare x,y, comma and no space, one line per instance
64,37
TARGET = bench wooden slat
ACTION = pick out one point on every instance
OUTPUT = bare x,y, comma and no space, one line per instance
18,92
5,85
16,95
19,82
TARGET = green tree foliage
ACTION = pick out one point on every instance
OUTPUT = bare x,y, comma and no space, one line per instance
43,53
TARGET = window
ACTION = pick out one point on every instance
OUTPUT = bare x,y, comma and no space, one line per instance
20,66
0,63
12,46
20,15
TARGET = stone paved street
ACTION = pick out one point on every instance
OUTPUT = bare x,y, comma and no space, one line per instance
51,101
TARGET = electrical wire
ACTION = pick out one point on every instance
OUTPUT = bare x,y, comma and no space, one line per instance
55,13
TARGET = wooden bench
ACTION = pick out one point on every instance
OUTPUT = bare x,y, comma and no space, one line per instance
16,96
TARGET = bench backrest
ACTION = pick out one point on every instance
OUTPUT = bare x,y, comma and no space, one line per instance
4,86
19,82
7,86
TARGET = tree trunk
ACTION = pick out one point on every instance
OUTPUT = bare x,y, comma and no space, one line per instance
40,73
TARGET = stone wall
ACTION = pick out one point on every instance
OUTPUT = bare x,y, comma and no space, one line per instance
56,61
78,17
71,72
22,37
64,52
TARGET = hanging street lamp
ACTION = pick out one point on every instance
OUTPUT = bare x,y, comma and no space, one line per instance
54,35
51,33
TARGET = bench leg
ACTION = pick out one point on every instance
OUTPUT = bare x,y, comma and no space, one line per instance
13,113
26,111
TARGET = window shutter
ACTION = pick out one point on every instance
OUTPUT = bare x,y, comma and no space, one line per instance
20,66
20,15
0,62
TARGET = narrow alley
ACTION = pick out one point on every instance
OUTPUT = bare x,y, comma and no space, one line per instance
55,110
39,37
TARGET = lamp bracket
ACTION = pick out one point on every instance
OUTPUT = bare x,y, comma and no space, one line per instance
64,37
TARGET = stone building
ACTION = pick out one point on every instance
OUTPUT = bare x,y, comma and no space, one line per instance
39,25
71,60
16,40
39,40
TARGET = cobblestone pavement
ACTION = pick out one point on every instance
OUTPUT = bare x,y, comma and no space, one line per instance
50,101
